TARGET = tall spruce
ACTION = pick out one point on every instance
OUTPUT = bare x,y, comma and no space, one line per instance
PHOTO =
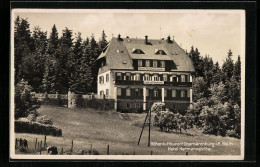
197,62
23,45
228,67
74,65
33,65
208,69
50,73
64,53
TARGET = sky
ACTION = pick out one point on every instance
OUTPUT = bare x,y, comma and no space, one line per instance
213,32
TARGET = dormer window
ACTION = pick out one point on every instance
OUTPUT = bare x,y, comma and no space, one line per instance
137,51
160,52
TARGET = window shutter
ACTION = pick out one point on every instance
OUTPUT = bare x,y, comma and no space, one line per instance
141,92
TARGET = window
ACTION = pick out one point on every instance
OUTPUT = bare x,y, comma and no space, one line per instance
119,92
182,93
102,93
165,92
155,93
156,78
118,76
147,63
128,92
146,77
101,80
137,77
164,77
160,52
173,93
107,92
107,77
127,105
154,63
163,64
174,78
136,92
128,76
140,63
138,51
182,78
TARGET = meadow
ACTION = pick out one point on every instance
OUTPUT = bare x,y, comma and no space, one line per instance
89,127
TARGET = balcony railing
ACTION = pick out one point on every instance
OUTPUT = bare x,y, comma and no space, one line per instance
165,83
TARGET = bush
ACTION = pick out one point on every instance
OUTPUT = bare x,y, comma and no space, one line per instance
36,128
25,100
44,120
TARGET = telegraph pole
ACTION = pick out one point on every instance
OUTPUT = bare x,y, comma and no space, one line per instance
148,116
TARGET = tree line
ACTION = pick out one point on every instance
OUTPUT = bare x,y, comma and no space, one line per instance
56,64
216,97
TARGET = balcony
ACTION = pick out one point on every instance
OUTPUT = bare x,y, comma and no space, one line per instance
161,83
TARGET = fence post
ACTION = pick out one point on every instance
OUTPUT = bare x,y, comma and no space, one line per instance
62,150
151,152
15,143
38,145
107,149
134,152
35,143
187,153
71,146
41,145
90,149
45,142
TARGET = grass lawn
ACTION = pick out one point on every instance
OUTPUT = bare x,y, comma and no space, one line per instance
102,128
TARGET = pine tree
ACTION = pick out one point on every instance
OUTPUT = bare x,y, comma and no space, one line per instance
227,67
33,64
64,53
217,74
51,73
237,70
103,42
22,45
74,65
197,62
208,69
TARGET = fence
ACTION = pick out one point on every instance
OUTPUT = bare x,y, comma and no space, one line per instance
41,146
72,100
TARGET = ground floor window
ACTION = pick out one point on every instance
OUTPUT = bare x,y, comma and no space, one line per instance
101,93
119,91
182,93
165,92
127,105
155,93
107,92
128,92
173,93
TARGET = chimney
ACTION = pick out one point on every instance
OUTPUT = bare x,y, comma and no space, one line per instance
119,36
146,39
169,39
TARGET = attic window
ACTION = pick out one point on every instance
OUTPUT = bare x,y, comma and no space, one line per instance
137,51
160,52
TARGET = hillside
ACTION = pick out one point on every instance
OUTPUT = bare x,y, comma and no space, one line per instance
102,128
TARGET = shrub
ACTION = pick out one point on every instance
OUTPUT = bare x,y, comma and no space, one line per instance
25,100
32,117
36,128
44,120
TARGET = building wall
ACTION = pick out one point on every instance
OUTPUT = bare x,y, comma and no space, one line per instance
106,85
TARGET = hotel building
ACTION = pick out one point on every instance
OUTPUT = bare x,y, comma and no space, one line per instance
135,72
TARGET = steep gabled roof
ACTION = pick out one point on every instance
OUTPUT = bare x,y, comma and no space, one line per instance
119,53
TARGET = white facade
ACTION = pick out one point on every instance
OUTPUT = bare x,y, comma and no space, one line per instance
106,85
